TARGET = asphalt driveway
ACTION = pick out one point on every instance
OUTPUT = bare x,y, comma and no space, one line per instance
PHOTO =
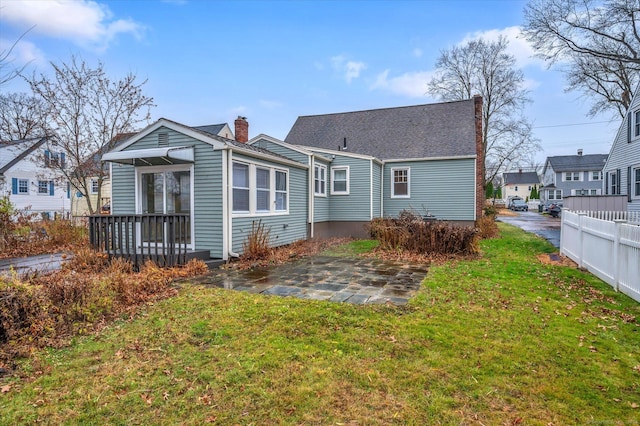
540,224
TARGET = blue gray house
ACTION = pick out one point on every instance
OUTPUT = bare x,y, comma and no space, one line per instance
572,175
331,176
622,169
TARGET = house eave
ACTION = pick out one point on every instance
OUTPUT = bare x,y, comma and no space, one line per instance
152,156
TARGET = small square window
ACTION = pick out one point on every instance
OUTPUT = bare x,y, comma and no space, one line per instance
94,186
43,187
340,180
23,186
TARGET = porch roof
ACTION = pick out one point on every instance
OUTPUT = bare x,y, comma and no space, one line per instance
152,156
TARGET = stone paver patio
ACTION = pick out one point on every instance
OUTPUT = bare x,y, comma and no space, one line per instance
338,279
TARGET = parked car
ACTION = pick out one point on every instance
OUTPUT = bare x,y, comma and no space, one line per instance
554,210
519,205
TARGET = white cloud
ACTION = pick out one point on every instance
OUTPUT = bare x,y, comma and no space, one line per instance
518,46
412,84
24,52
270,104
417,52
84,22
347,68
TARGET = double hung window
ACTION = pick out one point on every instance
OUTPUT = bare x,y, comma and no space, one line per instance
400,182
340,180
259,189
320,180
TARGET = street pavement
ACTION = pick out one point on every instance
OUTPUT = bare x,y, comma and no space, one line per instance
540,224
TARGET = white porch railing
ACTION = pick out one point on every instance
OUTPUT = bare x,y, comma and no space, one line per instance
609,249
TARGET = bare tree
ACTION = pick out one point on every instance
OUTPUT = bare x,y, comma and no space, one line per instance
600,41
22,117
88,111
482,67
7,72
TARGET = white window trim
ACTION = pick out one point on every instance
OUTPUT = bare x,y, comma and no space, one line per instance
27,186
554,191
233,186
271,199
635,134
393,188
634,196
564,177
591,179
91,186
253,212
319,167
46,182
614,175
333,170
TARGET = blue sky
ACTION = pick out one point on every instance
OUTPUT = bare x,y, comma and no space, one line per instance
209,61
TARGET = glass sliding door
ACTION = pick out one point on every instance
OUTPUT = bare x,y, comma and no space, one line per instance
165,192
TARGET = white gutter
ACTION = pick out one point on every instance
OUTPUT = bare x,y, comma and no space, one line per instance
225,205
382,190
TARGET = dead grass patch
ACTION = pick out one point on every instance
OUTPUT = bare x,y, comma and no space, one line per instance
556,259
506,212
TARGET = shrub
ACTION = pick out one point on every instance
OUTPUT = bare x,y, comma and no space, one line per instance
410,232
256,246
487,227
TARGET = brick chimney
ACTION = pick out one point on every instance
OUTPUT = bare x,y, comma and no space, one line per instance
477,104
242,129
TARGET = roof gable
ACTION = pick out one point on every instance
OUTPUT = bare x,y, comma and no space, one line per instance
12,152
431,130
521,178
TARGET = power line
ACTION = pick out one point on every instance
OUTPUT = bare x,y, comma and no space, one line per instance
573,124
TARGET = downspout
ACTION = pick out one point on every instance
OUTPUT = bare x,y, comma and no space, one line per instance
382,189
371,190
312,166
229,209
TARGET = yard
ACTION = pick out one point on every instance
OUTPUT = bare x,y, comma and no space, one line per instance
505,339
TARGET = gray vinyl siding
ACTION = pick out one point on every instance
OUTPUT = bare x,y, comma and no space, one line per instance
207,187
123,188
625,153
321,203
283,229
377,194
282,150
357,205
443,188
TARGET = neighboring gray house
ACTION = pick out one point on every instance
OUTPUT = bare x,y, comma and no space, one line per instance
423,158
572,175
622,168
518,184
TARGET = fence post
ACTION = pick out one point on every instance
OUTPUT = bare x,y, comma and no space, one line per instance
616,253
581,239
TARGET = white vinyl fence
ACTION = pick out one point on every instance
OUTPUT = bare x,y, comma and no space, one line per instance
609,249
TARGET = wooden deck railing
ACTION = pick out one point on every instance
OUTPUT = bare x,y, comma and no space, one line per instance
162,238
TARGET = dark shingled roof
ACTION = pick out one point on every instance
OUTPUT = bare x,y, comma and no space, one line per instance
520,178
432,130
214,129
577,163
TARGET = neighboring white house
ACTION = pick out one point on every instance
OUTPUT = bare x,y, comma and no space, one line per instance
30,181
572,175
622,169
519,184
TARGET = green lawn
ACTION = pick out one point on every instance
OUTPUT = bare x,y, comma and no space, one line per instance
500,340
